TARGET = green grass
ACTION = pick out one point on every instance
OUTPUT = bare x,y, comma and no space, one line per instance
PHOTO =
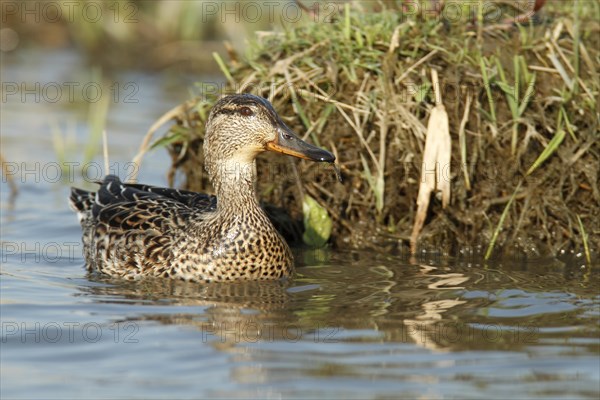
360,85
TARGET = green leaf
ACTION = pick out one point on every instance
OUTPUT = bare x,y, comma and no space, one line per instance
421,94
317,223
506,88
223,68
529,92
551,148
510,92
169,138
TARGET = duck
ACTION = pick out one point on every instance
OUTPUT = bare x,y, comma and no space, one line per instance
133,230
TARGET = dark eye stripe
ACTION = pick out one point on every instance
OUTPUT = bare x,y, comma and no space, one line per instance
227,111
245,111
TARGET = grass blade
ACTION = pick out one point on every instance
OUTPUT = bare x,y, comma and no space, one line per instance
490,248
347,25
551,148
488,89
223,68
528,94
584,237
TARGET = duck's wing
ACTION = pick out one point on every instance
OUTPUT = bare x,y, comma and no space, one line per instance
116,201
290,228
123,208
199,201
139,207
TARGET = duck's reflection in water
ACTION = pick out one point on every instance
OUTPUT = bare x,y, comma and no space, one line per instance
435,307
224,313
374,303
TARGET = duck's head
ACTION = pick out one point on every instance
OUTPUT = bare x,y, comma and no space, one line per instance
241,126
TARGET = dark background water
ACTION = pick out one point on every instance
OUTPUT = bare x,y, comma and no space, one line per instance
349,325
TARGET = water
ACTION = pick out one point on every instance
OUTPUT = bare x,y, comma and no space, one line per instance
349,325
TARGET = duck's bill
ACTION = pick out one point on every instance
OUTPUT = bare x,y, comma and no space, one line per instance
288,143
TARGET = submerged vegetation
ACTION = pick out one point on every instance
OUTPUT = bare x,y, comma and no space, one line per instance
522,110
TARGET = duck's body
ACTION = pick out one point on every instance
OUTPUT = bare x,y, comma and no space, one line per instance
132,230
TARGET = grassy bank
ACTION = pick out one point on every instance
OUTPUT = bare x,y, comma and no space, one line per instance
522,111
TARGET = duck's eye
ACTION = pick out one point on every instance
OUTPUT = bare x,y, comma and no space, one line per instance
246,111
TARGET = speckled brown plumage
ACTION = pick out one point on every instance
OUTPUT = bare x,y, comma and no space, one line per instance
133,230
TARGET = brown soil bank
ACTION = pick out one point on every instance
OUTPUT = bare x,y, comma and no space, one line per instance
522,103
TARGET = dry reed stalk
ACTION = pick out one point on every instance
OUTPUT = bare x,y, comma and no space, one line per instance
438,148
